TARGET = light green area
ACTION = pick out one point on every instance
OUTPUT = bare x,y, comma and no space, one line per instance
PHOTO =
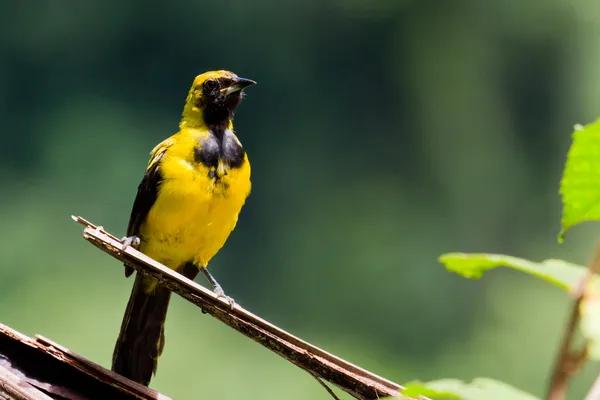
478,389
580,185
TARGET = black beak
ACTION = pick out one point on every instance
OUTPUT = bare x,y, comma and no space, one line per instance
237,85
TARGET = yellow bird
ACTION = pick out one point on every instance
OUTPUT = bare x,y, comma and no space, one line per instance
187,204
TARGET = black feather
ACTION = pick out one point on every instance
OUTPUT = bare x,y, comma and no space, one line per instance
144,200
142,336
219,146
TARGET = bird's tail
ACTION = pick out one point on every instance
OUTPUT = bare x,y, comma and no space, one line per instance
142,338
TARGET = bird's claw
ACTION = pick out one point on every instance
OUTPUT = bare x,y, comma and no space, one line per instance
132,241
221,295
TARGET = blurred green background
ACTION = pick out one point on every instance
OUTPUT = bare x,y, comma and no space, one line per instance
382,133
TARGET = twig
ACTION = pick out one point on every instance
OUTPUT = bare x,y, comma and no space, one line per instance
565,365
333,395
569,361
354,380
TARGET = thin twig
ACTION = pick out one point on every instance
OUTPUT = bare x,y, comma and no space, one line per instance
324,385
569,361
564,368
354,380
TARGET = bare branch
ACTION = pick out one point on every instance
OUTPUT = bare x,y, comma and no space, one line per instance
354,380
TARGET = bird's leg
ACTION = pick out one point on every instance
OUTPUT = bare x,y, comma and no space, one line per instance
216,287
132,241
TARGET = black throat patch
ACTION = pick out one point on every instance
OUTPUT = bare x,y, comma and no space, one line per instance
219,145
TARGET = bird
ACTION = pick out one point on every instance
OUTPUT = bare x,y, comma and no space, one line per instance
187,204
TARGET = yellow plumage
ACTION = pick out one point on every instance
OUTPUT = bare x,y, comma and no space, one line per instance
193,214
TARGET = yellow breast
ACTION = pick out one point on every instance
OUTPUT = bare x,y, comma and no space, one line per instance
196,208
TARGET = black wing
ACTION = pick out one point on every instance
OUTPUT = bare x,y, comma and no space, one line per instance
146,196
147,193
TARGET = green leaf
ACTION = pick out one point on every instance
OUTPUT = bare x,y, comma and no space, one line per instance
580,185
479,389
415,389
561,273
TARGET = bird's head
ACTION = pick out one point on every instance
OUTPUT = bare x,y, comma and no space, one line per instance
213,98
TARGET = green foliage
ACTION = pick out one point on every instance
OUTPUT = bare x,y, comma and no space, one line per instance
580,190
560,273
416,389
480,388
580,185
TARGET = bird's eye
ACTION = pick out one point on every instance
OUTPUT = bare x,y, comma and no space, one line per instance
210,85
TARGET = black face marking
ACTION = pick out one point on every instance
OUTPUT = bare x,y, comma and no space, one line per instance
218,109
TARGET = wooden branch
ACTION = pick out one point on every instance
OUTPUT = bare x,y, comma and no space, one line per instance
39,369
13,386
569,361
352,379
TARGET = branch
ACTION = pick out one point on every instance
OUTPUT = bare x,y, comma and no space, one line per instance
39,369
354,380
569,361
15,387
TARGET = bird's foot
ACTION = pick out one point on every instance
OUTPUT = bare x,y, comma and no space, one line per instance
217,289
221,295
132,241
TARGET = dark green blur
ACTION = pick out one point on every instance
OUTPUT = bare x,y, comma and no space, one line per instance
382,133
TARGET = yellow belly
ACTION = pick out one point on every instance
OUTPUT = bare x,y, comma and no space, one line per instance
193,214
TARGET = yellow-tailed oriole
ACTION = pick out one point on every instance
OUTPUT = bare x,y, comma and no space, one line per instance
187,204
